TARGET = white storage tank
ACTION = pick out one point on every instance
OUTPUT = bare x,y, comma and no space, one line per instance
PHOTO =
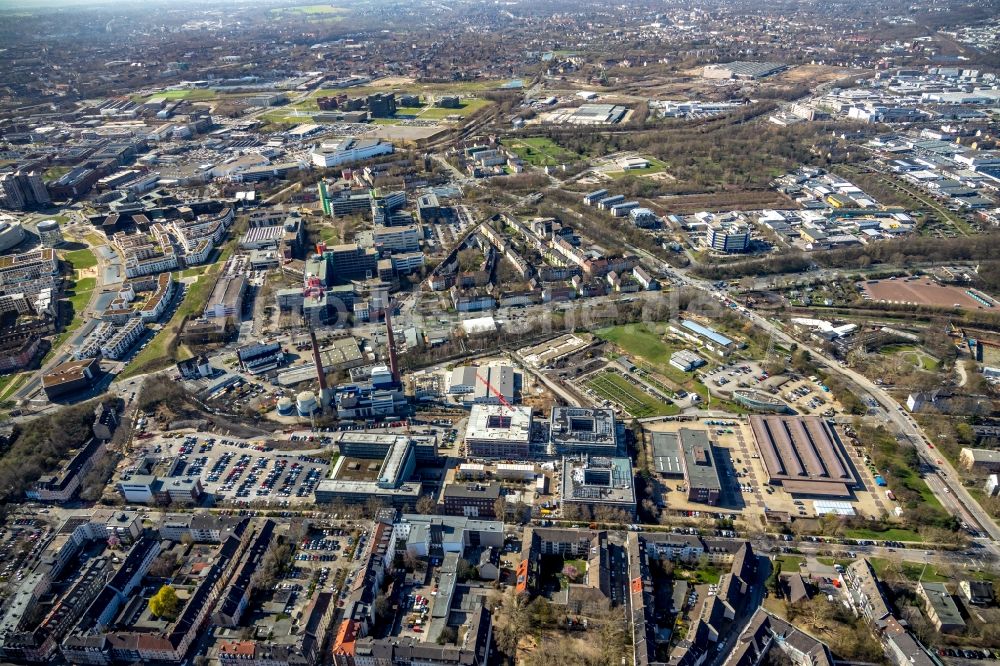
306,403
285,406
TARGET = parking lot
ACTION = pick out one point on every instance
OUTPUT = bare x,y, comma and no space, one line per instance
19,544
806,396
244,472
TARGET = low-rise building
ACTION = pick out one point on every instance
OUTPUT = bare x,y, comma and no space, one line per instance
940,608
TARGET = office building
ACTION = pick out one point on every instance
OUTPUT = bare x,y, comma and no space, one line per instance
701,474
381,105
584,430
596,483
71,377
472,500
729,237
940,608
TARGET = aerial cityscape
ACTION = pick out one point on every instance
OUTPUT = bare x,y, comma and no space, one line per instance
468,333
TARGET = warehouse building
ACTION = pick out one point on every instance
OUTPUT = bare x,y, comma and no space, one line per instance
742,70
803,455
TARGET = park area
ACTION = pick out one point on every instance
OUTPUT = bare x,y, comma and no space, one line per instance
80,259
541,151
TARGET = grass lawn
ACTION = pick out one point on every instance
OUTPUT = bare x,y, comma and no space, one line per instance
82,290
705,576
466,108
195,271
649,345
892,534
541,151
635,401
893,349
324,233
288,115
81,259
193,94
912,571
56,172
790,563
10,383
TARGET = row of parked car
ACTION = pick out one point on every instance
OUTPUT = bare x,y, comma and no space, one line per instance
974,653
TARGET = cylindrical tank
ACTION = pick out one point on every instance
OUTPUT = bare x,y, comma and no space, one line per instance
285,406
306,403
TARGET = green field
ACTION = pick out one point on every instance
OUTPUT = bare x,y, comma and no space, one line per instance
10,383
466,108
82,290
56,172
652,353
541,151
314,14
191,94
81,259
287,115
892,534
634,400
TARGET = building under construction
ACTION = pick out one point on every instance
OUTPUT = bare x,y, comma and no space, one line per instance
499,431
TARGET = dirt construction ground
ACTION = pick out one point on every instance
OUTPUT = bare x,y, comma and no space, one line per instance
923,291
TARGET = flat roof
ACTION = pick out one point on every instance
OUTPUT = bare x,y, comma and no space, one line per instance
939,598
68,372
598,479
706,332
667,454
699,464
340,352
499,423
583,426
472,490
